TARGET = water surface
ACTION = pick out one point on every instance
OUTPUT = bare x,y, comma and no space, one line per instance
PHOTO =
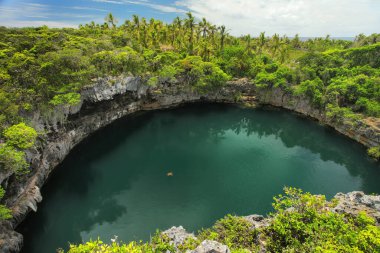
224,159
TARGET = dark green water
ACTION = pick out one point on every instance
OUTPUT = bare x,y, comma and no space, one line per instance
225,159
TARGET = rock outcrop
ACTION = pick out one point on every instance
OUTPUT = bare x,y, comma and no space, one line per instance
109,99
178,236
355,202
208,246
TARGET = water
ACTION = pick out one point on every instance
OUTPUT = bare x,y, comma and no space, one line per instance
224,159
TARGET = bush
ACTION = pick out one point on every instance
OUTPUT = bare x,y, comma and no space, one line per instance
12,159
20,136
201,75
312,89
101,247
233,231
66,99
374,152
5,213
341,114
303,223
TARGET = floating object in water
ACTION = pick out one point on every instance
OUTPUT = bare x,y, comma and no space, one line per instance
169,174
114,239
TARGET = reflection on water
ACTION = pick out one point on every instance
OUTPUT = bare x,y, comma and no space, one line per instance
224,159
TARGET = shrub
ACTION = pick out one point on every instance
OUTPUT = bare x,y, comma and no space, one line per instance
201,75
12,159
66,99
5,213
20,136
233,231
303,223
374,152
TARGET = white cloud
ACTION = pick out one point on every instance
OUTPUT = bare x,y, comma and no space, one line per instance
37,23
108,1
87,8
306,17
159,7
35,14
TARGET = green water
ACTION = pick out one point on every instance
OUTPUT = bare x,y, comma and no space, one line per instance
225,159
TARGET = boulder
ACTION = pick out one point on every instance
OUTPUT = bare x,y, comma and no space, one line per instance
178,235
208,246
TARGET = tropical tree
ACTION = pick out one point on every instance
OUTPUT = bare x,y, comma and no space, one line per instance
111,20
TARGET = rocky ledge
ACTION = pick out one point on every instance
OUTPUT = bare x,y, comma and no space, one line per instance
111,98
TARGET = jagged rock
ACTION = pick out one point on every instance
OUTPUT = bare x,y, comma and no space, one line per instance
257,221
178,235
107,88
10,240
208,246
355,202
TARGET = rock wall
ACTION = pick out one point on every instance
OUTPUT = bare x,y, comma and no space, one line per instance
112,98
363,132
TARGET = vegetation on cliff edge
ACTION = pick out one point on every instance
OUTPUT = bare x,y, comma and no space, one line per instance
301,222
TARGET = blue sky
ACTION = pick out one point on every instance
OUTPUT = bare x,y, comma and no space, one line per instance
339,18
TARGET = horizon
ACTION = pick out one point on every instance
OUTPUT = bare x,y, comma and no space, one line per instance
339,19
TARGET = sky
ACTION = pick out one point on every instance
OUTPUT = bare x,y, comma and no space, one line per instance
308,18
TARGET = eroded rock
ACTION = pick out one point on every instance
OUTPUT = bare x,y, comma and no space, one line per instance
178,236
208,246
357,201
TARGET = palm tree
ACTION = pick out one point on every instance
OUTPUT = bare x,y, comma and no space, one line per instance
105,25
144,34
223,34
190,25
212,30
111,20
262,41
275,43
203,25
284,52
296,42
136,21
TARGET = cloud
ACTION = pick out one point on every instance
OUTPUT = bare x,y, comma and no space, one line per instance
38,23
35,14
159,7
306,17
87,8
108,1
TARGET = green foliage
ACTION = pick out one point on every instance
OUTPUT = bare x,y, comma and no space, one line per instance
374,152
116,62
5,213
12,159
341,114
232,231
312,89
20,136
161,243
168,73
101,247
302,223
71,98
201,75
273,76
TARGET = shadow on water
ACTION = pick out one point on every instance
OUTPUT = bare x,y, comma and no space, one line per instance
116,178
